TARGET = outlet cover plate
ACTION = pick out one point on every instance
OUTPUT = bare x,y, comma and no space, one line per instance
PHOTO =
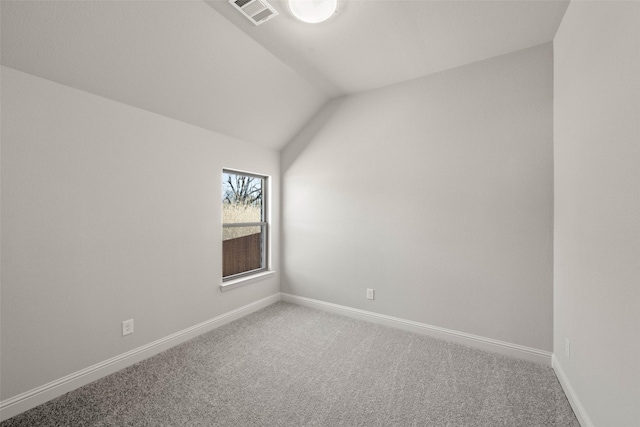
127,327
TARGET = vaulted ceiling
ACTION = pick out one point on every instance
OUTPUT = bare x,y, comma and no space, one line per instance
202,62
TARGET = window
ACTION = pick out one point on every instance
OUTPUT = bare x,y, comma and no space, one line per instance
244,224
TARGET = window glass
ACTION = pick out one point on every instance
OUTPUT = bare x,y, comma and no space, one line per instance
244,227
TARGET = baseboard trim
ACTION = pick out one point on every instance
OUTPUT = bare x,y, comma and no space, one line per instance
576,405
514,350
32,398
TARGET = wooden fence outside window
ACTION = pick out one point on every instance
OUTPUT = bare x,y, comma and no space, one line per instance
241,254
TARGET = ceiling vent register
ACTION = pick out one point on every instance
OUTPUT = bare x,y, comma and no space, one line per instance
256,11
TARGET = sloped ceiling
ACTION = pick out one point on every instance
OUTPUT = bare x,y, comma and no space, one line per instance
181,59
374,43
202,62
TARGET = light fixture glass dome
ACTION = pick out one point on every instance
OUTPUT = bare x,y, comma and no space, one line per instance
313,11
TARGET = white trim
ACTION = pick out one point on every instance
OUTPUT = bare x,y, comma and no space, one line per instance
32,398
488,344
232,284
576,405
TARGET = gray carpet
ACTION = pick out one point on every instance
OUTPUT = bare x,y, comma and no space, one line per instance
288,365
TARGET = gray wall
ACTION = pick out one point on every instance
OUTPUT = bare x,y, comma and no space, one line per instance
109,212
437,193
597,208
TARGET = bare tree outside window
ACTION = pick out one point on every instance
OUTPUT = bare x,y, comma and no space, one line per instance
242,189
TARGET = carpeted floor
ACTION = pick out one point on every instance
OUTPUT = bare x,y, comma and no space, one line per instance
288,365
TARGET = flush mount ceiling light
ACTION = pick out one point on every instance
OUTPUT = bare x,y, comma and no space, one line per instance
313,11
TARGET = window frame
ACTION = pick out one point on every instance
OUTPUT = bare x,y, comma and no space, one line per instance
264,227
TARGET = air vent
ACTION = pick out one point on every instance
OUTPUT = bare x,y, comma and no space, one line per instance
257,11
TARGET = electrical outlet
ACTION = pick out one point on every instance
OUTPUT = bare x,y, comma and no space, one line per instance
127,327
370,294
567,348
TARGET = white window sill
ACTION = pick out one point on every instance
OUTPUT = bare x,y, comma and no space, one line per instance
231,284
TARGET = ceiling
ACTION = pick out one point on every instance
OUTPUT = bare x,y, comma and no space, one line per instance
374,43
202,62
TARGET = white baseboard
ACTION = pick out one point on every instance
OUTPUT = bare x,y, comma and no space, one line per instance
488,344
578,409
32,398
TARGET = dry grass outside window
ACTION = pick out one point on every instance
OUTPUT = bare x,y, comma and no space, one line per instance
237,213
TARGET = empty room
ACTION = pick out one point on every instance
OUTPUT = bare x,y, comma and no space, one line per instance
320,213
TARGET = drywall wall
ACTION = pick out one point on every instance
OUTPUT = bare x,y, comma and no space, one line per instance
438,194
597,209
109,213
